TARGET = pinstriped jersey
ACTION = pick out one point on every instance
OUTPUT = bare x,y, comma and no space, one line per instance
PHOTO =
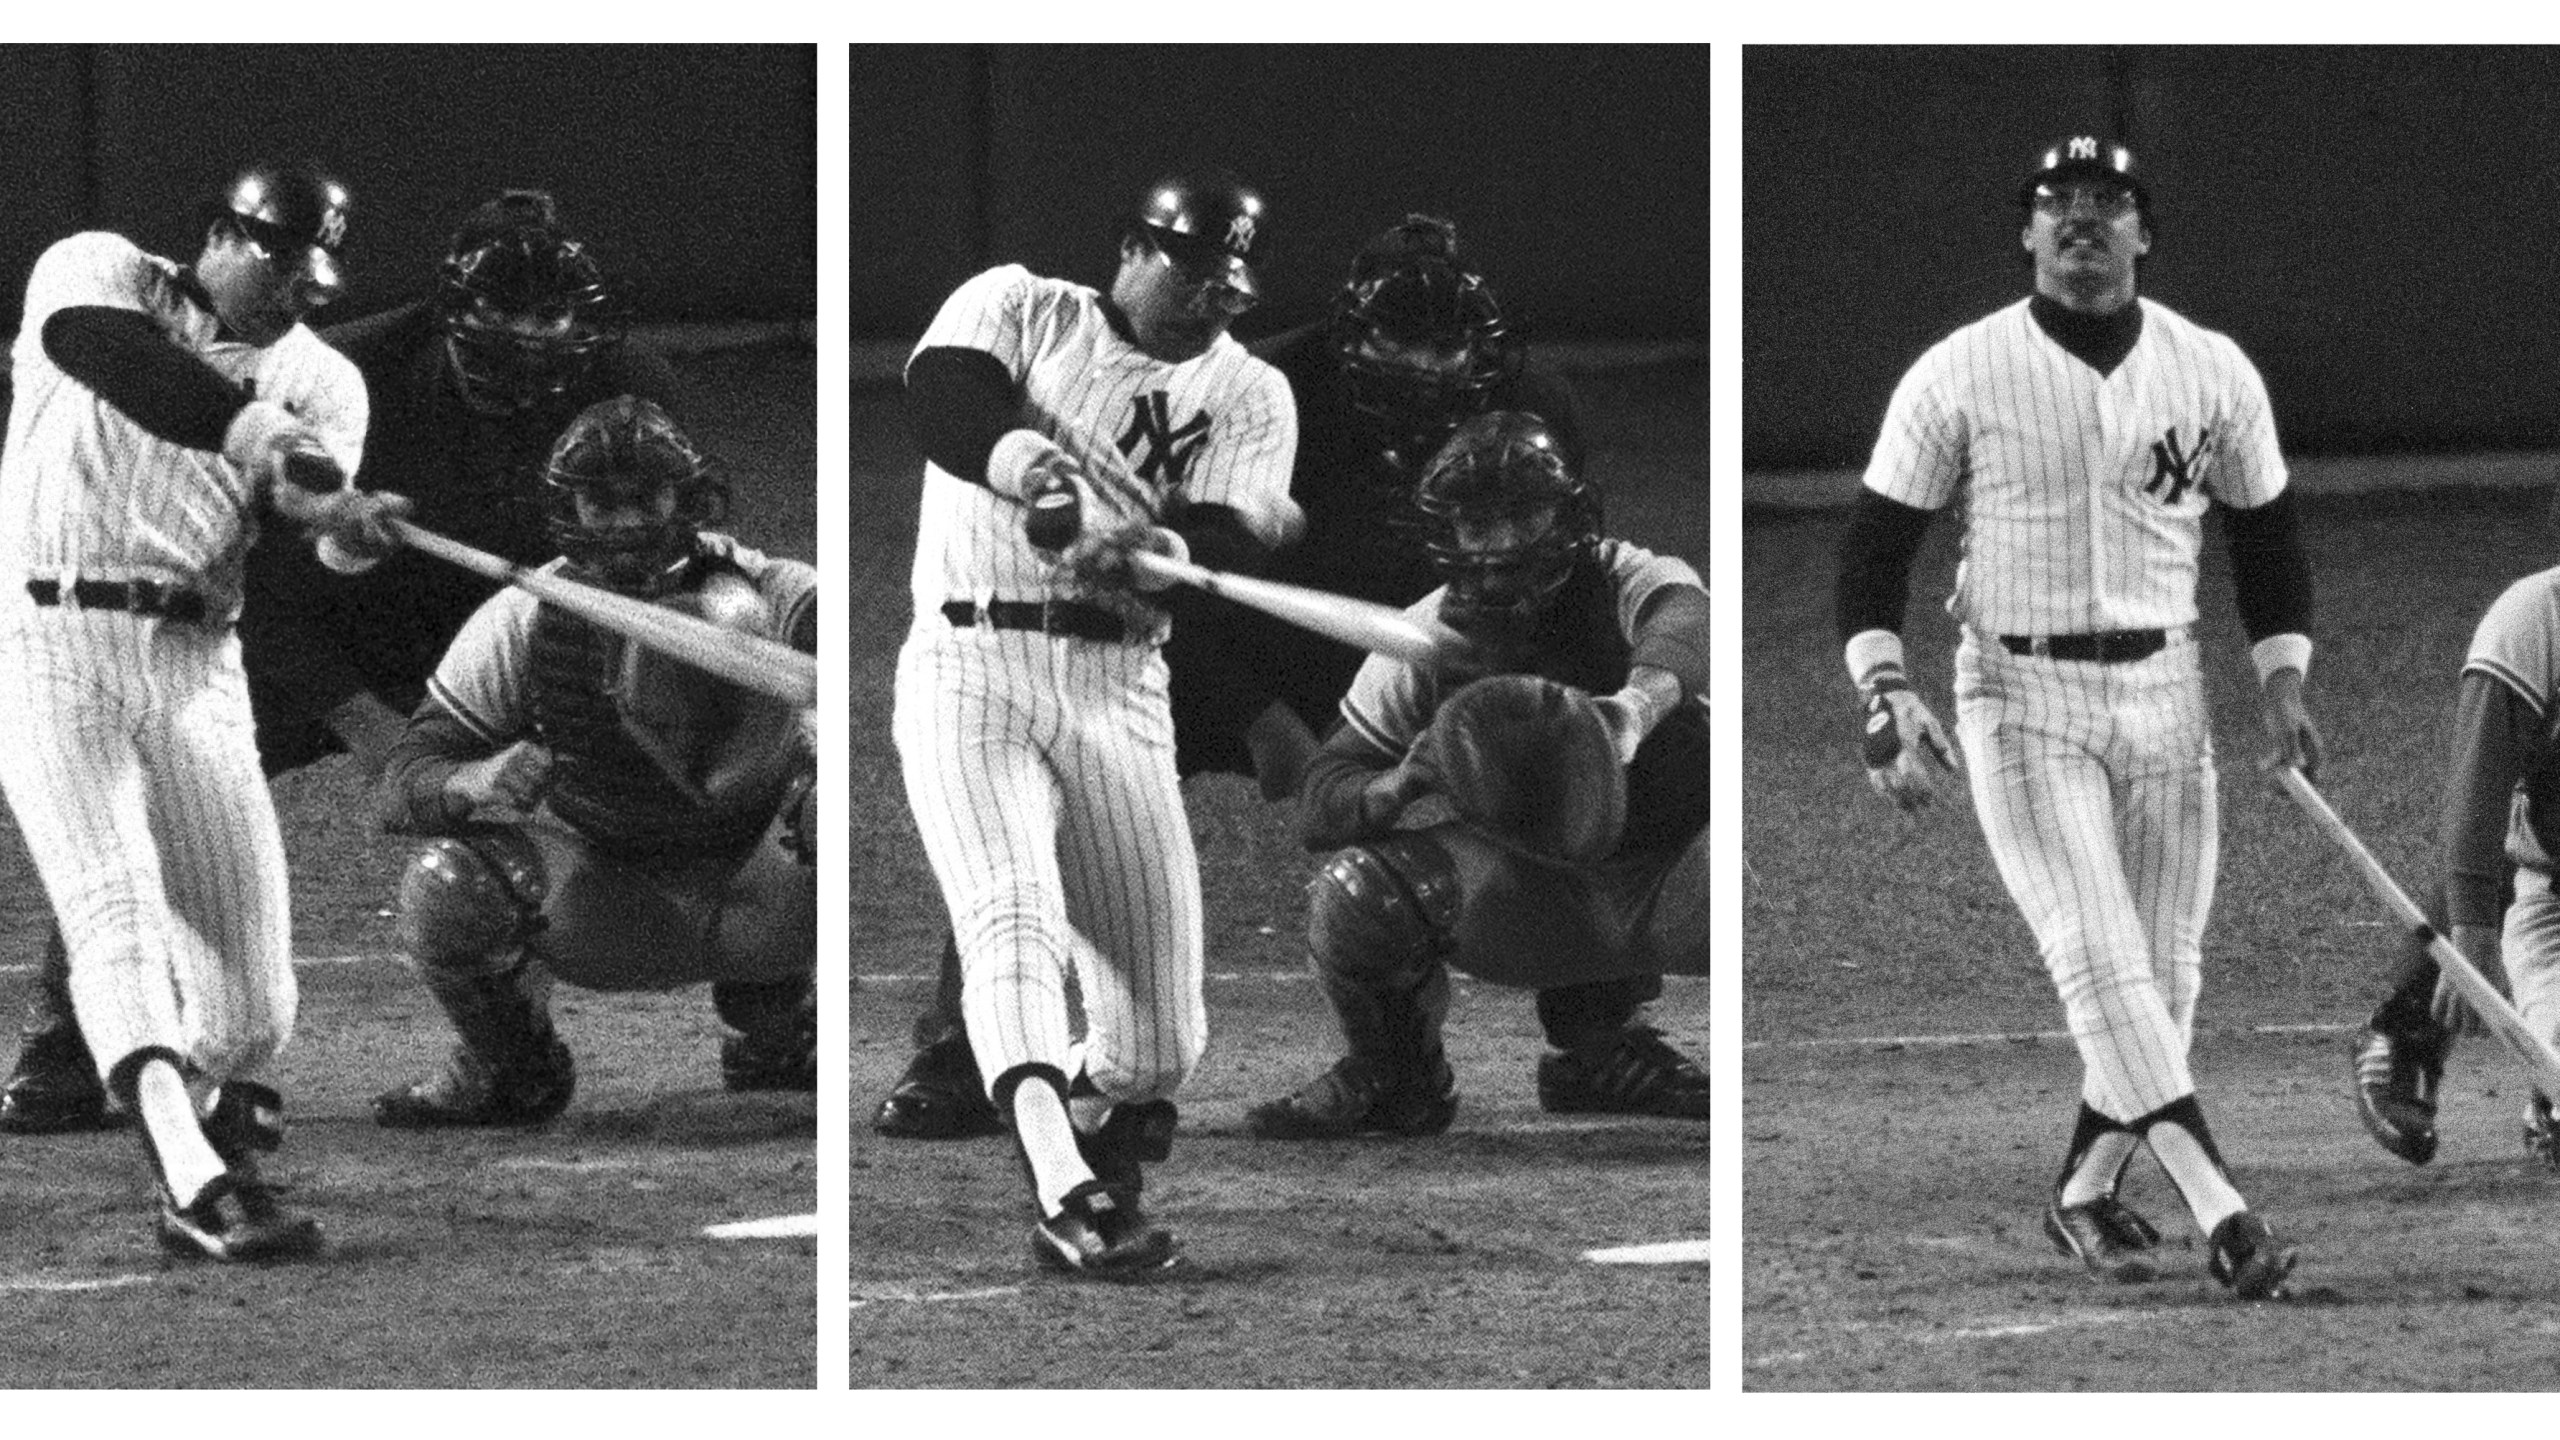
83,489
1219,428
2085,493
2517,644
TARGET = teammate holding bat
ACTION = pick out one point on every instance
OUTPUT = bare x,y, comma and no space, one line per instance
1031,717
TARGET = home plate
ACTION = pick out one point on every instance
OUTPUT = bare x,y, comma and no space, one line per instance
1668,1252
779,1227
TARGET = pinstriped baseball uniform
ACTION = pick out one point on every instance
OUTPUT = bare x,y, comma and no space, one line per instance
131,766
1040,767
2094,783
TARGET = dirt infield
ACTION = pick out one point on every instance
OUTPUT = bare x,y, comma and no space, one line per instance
571,1256
1449,1262
1893,1188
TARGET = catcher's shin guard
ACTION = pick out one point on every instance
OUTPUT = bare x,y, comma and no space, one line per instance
1380,918
775,1046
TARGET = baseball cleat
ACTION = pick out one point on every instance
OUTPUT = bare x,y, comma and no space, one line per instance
1102,1235
472,1090
54,1087
2396,1093
237,1219
747,1063
2107,1235
2247,1257
1640,1075
2541,1131
1355,1096
939,1098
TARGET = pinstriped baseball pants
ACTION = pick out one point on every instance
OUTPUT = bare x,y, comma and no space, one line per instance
1040,772
2095,788
128,757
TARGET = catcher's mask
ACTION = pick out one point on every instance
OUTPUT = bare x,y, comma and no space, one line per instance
1507,516
525,308
627,494
1421,339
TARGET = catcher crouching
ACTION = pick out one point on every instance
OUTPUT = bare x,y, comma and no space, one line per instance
1572,756
602,815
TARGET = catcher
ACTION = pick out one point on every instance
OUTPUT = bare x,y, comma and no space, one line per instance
1576,767
603,815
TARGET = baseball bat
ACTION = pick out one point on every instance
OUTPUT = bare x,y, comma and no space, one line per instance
767,667
2477,992
1378,629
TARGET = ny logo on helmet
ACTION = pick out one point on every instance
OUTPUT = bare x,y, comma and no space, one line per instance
333,229
2084,147
1240,234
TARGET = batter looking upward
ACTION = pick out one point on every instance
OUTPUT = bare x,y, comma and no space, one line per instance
2087,430
467,390
160,415
1031,720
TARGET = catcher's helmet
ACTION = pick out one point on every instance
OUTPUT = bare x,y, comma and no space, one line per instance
1212,223
1508,516
1421,339
525,307
2085,157
297,213
627,454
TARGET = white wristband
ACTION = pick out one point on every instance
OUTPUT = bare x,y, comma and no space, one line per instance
2289,651
1869,649
1015,453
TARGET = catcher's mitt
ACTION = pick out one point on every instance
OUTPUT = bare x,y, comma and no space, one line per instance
1530,763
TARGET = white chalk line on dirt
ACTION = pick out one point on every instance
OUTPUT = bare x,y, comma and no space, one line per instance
50,1285
778,1227
1988,1327
2010,1037
1667,1252
929,1297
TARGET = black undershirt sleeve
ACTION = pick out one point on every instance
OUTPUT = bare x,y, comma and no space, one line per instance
2270,569
1218,538
1875,563
960,402
131,365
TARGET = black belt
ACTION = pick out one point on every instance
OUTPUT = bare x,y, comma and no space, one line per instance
139,597
1072,618
2107,647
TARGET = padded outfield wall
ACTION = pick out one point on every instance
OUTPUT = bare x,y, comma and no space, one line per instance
2373,225
691,169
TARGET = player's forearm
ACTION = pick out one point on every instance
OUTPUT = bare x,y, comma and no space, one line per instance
960,402
1219,539
416,795
1671,637
130,364
2494,733
2270,568
1876,555
1347,794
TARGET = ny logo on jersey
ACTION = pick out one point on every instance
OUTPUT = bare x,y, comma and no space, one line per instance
2174,467
2084,147
333,229
1240,234
1168,449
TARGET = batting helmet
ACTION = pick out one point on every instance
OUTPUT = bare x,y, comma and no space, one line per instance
297,213
2085,157
626,455
1508,516
1211,224
1420,336
525,307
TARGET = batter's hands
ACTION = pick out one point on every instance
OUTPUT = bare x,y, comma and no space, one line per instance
2295,740
1905,749
2479,944
513,779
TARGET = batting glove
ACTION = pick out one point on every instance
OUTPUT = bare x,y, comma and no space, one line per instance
1903,744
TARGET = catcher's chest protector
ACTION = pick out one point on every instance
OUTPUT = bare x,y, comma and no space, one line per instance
602,783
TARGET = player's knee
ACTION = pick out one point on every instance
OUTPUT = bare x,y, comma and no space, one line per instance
245,1034
1384,912
467,903
1172,1053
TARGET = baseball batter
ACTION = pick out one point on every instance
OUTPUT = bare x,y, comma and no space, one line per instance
1417,342
2087,430
1031,717
600,814
160,414
468,390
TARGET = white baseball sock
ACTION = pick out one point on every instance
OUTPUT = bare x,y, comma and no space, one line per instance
2100,1167
169,1113
1049,1143
2198,1176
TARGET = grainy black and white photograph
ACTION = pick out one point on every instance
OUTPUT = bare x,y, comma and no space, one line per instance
409,608
1278,735
2149,629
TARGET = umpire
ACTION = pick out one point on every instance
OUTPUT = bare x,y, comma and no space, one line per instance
469,388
